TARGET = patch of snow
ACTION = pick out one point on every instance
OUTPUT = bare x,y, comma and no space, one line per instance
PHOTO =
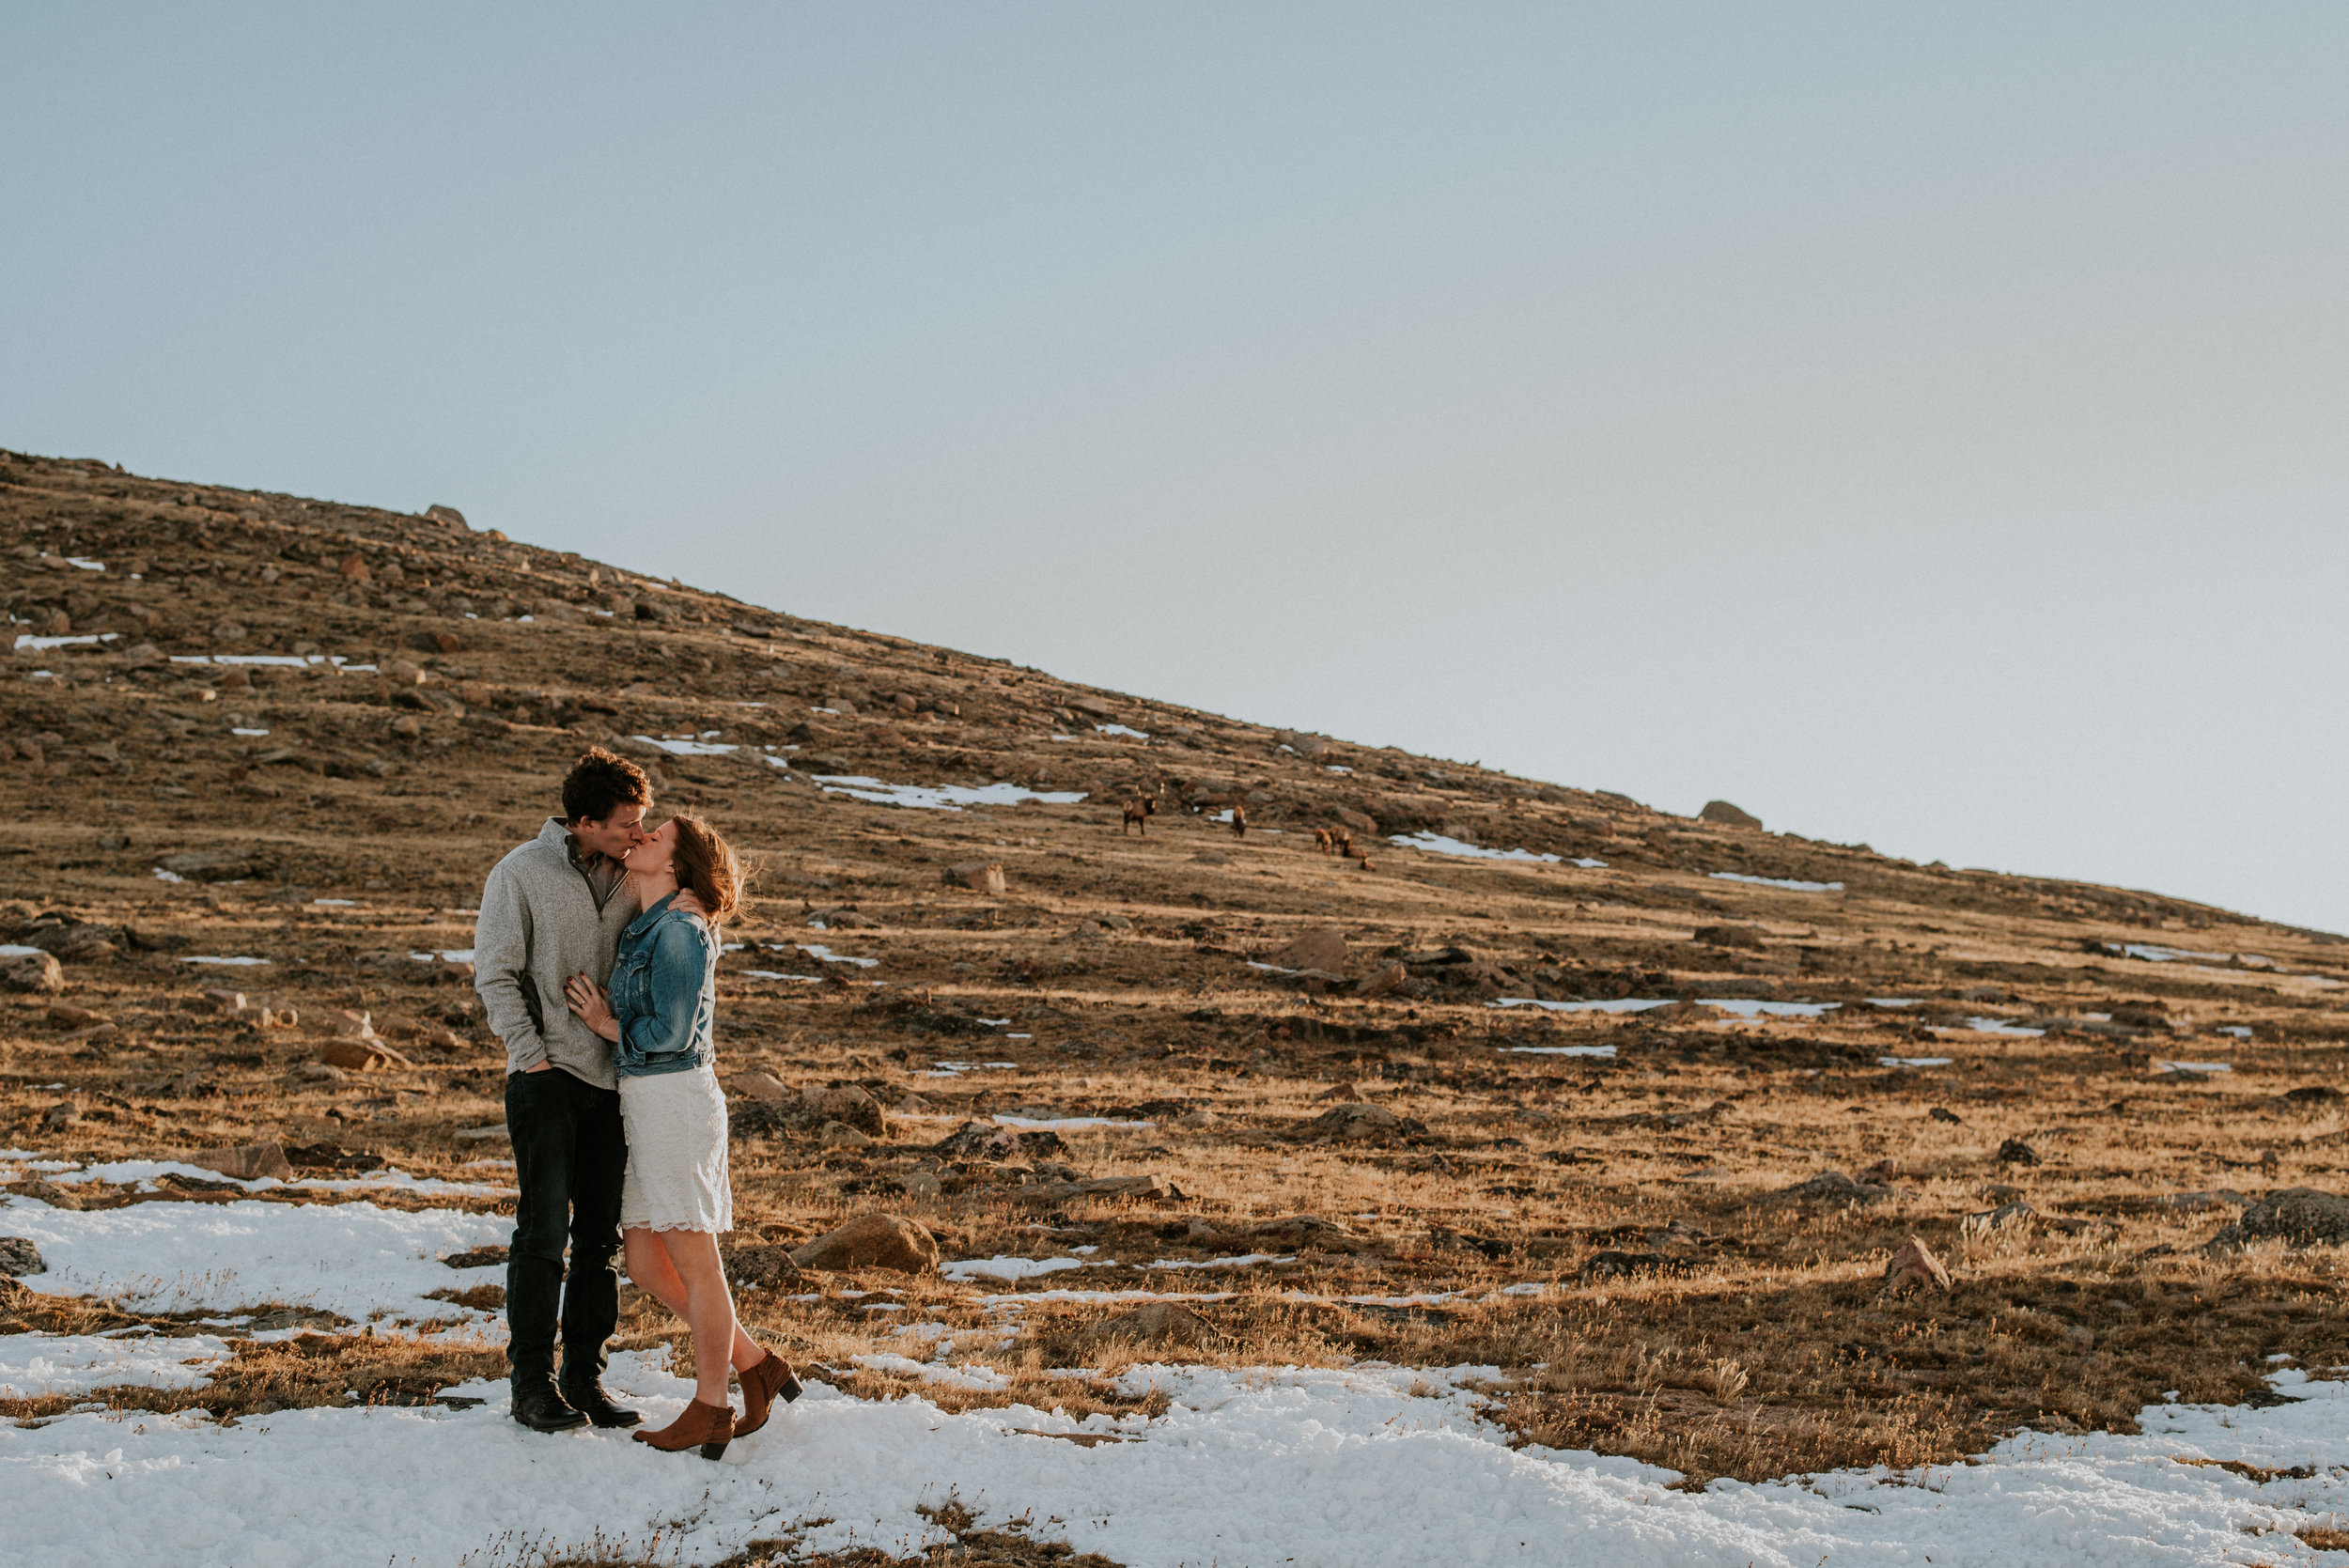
335,903
775,975
827,955
689,748
1892,1001
234,963
1745,1007
2002,1027
17,950
85,563
32,1366
1068,1124
1791,884
1436,843
1560,1050
1587,863
1913,1060
248,732
2199,1066
1240,1261
948,1069
444,956
940,797
1120,729
1008,1269
2241,1031
46,643
2153,955
347,1258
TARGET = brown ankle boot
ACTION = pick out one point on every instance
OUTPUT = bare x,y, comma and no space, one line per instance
710,1425
761,1382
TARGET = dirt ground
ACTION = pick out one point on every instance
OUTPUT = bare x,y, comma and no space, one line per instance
1396,1148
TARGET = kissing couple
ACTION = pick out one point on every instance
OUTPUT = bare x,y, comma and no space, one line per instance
611,1099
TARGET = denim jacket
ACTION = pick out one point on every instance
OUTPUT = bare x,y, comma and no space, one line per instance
664,992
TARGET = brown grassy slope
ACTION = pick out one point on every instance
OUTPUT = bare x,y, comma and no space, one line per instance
1706,1321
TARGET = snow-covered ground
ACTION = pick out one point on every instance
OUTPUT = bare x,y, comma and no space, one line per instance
1363,1465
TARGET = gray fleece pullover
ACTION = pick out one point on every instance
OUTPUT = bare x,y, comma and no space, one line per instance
541,923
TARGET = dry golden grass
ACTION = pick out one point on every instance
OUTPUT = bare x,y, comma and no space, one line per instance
1691,1314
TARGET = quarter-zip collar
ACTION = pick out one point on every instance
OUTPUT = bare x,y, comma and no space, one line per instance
557,834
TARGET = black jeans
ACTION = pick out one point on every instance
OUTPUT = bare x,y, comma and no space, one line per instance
570,1155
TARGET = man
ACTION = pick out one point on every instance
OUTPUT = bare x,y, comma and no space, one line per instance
554,907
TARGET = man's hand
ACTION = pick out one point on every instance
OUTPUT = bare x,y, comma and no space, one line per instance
541,1067
591,1006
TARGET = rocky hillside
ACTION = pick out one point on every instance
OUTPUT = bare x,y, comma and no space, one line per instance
261,751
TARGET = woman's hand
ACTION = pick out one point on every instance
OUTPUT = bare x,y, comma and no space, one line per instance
591,1006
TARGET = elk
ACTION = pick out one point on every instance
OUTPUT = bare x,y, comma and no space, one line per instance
1335,840
1240,820
1138,815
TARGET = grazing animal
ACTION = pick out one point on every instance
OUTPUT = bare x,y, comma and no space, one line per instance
1240,820
1333,841
1137,815
1360,857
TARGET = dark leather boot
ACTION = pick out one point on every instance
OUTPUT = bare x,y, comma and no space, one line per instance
590,1400
537,1406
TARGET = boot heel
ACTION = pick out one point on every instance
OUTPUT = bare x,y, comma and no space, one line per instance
790,1390
713,1450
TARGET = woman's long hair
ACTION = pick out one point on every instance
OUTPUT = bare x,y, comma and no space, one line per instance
706,863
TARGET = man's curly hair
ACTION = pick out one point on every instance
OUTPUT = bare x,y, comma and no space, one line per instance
600,783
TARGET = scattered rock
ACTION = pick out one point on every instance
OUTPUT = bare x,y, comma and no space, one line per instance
912,1105
1156,1323
1152,1187
1940,1113
757,1084
447,515
1383,980
19,1256
31,971
839,1135
477,1257
361,1056
1914,1266
1998,1219
922,1182
986,1141
2302,1216
246,1161
2310,1097
873,1241
1833,1187
210,866
1347,1091
493,1132
1728,935
1728,815
1627,1265
760,1266
1354,1122
1211,857
1322,949
2015,1152
848,1104
984,876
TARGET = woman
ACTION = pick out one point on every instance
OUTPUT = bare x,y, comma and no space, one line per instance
676,1198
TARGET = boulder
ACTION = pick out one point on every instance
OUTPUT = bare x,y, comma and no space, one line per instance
1914,1266
756,1084
209,865
1728,935
984,876
1380,982
872,1241
2015,1152
1833,1187
1153,1186
839,1135
986,1141
1998,1219
449,517
2303,1216
20,1256
1347,1091
760,1266
1353,1123
847,1103
361,1056
1361,822
30,969
246,1161
1728,815
1156,1323
1322,949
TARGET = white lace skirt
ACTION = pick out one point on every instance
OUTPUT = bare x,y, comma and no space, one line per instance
677,1153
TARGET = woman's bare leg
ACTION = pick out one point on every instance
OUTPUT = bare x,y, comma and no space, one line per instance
650,1271
692,1257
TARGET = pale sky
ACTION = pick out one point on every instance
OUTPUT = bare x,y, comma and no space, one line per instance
1917,425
